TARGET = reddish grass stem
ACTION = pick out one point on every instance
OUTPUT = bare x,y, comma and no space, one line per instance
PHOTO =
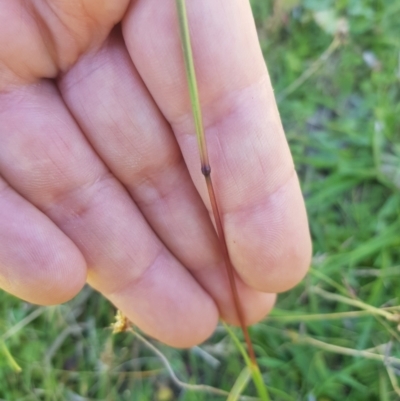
206,168
228,263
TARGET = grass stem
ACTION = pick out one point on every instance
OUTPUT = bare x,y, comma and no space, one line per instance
358,304
298,338
10,359
284,316
205,165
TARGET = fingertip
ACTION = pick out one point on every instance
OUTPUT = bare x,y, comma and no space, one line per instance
281,272
256,307
196,333
278,255
168,304
189,331
55,277
38,262
68,280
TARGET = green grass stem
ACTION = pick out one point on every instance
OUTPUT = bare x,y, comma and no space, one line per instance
254,369
240,384
10,359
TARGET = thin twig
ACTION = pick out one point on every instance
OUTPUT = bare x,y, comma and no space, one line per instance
393,379
322,316
342,350
354,302
390,371
206,356
11,361
192,387
58,342
24,322
112,372
314,67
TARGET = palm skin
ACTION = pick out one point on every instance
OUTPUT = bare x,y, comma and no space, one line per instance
100,179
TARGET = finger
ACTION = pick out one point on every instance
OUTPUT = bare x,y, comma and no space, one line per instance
38,263
45,157
49,36
257,188
118,116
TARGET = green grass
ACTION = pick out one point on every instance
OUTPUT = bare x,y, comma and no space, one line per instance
343,127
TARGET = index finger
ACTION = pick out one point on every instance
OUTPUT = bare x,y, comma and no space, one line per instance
256,184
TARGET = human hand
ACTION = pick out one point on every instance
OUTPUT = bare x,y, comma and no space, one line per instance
100,177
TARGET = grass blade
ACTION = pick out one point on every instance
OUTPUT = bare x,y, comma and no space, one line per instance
240,384
10,359
253,367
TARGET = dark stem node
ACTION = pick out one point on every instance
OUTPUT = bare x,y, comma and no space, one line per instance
206,170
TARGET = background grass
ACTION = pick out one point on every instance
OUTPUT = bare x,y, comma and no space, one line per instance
343,127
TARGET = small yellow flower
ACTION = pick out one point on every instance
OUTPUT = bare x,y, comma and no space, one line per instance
121,323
